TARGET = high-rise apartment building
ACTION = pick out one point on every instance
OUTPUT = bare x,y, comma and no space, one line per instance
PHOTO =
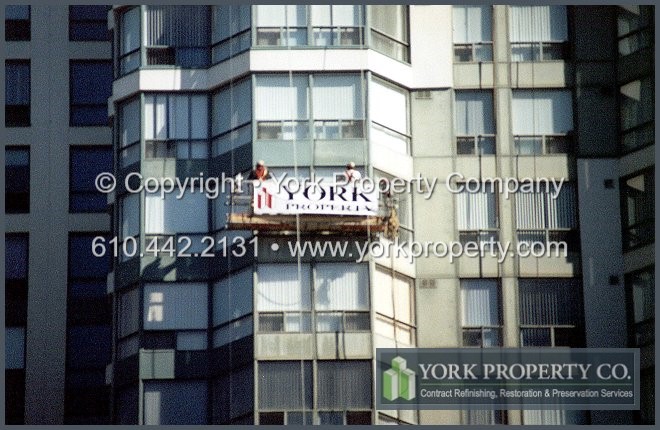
254,334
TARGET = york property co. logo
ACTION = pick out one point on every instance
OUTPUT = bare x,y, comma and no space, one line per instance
399,381
264,198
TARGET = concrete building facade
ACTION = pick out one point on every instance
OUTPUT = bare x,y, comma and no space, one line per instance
459,94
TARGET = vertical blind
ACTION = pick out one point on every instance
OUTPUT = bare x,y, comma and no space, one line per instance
540,211
281,98
232,106
553,417
175,402
389,105
337,97
175,306
480,299
472,24
280,289
538,24
184,26
538,112
281,16
339,286
170,215
285,385
17,83
474,113
476,210
549,301
344,385
232,297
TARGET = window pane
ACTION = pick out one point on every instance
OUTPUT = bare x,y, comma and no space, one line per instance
82,262
17,93
337,97
232,297
175,402
175,306
88,23
88,346
16,257
637,103
91,85
538,24
341,287
481,304
170,215
281,97
540,112
17,180
389,106
282,288
476,210
232,106
14,348
17,23
291,377
86,164
391,20
472,24
474,113
344,385
550,301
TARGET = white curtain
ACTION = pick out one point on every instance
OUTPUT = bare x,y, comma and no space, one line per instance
474,113
337,97
130,122
175,306
472,24
232,297
476,210
281,16
538,112
130,215
232,106
480,302
342,287
538,24
170,215
280,289
14,347
17,89
280,98
389,105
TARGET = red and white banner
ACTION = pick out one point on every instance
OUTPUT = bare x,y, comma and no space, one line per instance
271,198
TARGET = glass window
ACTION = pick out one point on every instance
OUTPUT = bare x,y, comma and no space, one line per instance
281,287
170,215
291,377
232,107
168,45
337,25
473,35
394,303
637,103
129,133
233,395
538,33
175,402
232,297
638,209
176,126
17,93
389,30
344,385
281,25
91,85
477,216
231,31
389,116
14,347
86,163
129,312
542,121
16,257
129,41
483,417
17,23
89,23
553,417
481,317
169,306
550,312
474,123
634,28
641,288
17,180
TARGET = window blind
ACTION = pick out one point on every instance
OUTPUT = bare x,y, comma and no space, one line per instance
476,210
341,287
538,112
549,301
280,98
480,299
474,113
337,97
280,289
538,24
472,24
